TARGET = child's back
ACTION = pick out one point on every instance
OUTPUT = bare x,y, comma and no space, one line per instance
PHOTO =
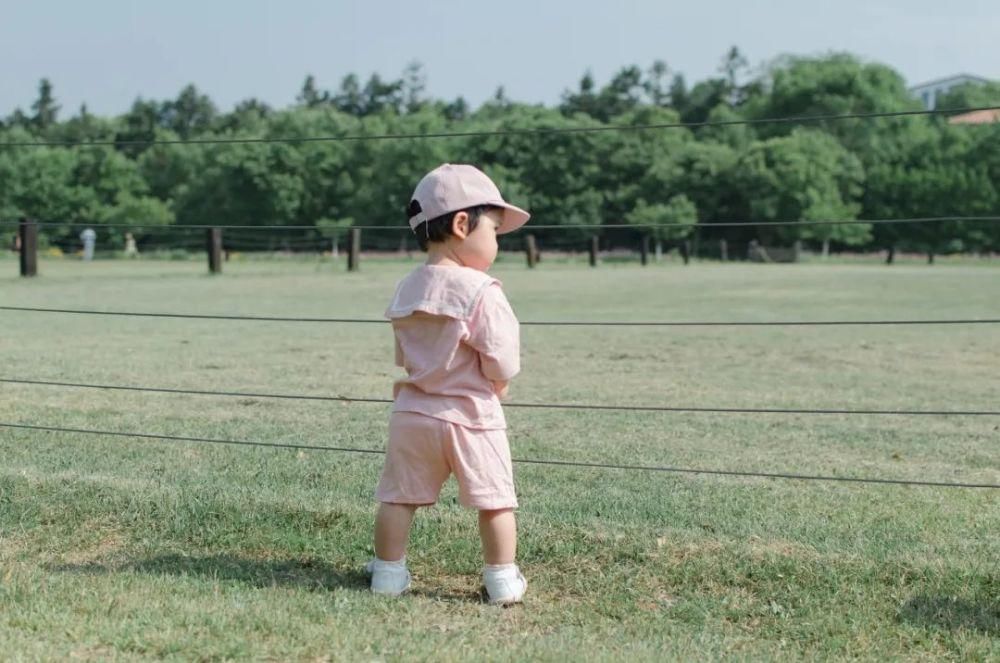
455,335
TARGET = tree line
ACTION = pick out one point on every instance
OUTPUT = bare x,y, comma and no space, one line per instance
886,168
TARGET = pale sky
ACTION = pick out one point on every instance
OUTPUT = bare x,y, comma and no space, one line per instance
108,52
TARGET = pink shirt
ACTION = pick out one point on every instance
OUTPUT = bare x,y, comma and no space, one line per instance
455,333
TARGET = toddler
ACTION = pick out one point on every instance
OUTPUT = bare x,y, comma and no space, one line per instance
458,340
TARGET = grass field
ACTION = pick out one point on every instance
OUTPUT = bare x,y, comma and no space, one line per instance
120,548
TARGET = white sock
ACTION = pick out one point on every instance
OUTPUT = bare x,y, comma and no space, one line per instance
498,571
386,565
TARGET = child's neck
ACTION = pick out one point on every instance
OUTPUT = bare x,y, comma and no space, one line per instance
440,254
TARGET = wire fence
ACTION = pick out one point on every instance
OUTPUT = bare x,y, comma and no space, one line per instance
535,131
692,224
523,461
528,323
324,237
548,406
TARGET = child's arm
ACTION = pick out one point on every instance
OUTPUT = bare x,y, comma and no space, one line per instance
400,361
502,389
494,333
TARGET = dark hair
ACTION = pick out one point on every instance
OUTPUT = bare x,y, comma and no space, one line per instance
439,229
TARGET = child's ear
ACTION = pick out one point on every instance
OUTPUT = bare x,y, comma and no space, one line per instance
460,225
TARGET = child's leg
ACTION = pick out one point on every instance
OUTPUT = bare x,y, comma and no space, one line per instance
504,582
414,471
498,531
481,462
392,530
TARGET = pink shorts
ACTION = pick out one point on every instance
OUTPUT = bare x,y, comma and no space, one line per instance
423,451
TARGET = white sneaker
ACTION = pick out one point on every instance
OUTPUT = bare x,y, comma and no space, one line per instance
505,585
389,578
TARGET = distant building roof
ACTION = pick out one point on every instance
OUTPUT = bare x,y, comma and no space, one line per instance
949,81
976,117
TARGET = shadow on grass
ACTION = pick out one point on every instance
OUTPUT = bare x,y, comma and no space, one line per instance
302,573
953,613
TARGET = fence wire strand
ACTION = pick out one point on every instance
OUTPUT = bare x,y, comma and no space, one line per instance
693,224
526,323
523,461
547,406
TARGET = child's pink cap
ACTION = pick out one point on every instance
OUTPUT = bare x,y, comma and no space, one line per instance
453,187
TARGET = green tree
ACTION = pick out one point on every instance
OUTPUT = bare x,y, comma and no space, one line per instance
703,98
108,173
984,152
455,111
245,185
387,171
679,99
349,98
885,168
640,164
281,183
168,168
626,91
41,183
673,220
805,176
831,85
735,67
936,170
584,100
380,96
655,85
700,168
310,96
140,215
190,114
17,119
828,85
249,115
971,95
738,136
138,127
556,171
83,127
413,88
45,107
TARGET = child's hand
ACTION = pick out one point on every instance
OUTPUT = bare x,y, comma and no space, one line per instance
502,389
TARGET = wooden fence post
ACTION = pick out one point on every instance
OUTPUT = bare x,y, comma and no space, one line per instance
685,248
354,250
723,250
594,248
644,250
531,249
27,231
215,250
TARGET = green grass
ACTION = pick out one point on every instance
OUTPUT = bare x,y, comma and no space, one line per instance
131,549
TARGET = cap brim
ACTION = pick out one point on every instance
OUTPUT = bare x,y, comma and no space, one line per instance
513,218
